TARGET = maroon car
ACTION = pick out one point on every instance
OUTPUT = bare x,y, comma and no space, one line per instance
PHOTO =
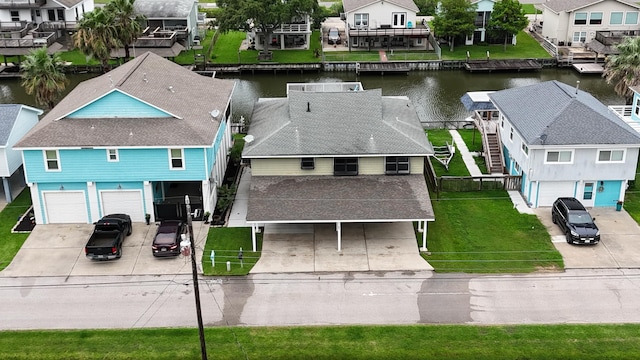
167,239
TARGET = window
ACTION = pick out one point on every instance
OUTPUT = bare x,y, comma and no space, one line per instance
15,15
176,160
502,123
38,12
580,18
610,156
580,36
52,14
112,155
525,149
588,191
631,18
616,18
395,165
516,167
51,160
61,15
595,18
307,163
559,156
345,166
361,20
511,135
399,19
637,107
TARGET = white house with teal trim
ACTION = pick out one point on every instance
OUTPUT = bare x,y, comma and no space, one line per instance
134,141
15,121
564,142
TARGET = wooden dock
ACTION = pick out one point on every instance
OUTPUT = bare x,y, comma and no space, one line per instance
502,65
264,67
589,68
382,68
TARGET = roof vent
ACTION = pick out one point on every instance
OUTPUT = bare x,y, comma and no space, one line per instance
248,139
543,138
308,106
215,113
577,86
110,79
144,77
171,89
130,132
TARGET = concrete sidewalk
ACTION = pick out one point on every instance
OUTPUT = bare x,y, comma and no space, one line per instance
238,216
468,157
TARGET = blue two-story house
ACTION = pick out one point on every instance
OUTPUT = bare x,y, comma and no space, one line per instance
135,140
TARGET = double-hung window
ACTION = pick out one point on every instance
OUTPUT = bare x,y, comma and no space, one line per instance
631,18
610,156
15,15
580,36
396,165
558,157
112,155
580,18
525,149
52,160
176,159
307,163
616,18
595,18
361,20
345,166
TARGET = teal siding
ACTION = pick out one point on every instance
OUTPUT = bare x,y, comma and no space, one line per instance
636,99
83,165
117,104
211,152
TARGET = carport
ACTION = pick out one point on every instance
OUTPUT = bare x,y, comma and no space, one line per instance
339,200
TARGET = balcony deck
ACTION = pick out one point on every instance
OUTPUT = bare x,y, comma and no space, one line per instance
624,112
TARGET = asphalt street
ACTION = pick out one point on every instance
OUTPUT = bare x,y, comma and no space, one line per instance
574,296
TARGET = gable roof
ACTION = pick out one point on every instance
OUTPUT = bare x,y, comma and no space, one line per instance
351,5
68,4
148,78
336,123
572,5
8,116
565,115
154,9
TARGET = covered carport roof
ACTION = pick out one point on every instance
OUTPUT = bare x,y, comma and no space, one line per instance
364,198
477,100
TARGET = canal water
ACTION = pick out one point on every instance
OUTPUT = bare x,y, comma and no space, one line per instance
436,94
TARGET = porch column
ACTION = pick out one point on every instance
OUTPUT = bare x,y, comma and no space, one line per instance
254,228
148,200
339,230
282,42
7,189
94,205
419,226
424,237
37,208
206,197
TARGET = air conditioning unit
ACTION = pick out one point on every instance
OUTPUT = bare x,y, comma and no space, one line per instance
343,16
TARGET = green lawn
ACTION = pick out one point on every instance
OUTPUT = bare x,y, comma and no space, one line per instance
439,137
472,138
526,48
11,243
531,342
226,242
530,9
227,45
482,232
632,198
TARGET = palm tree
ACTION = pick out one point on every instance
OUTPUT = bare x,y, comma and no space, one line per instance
623,70
127,22
42,75
97,35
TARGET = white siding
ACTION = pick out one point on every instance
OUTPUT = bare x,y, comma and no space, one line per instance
417,165
380,13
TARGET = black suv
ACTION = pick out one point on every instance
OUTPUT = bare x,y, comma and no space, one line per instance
575,221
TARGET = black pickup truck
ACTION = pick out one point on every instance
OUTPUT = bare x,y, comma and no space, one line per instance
108,235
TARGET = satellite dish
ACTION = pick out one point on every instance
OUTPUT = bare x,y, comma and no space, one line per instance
215,113
248,138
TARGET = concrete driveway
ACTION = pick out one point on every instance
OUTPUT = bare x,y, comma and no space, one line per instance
365,247
58,250
619,245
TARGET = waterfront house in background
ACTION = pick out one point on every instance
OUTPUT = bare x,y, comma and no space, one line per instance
135,140
171,26
293,35
26,24
384,24
597,24
564,142
336,154
15,121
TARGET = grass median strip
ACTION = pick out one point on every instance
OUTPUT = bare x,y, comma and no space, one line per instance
333,342
226,242
9,216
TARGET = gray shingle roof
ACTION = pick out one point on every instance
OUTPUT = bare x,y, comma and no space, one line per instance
8,115
351,5
154,80
164,9
554,109
570,5
336,123
68,3
343,198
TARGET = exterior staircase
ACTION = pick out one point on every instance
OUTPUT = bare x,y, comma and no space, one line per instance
493,153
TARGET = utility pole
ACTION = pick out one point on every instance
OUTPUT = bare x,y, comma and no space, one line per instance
196,287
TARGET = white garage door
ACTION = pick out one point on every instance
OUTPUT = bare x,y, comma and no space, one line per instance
549,191
123,202
65,207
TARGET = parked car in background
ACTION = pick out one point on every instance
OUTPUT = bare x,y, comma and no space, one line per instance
334,36
108,235
575,221
168,237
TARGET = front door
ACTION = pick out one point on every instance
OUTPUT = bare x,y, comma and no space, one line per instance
607,193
